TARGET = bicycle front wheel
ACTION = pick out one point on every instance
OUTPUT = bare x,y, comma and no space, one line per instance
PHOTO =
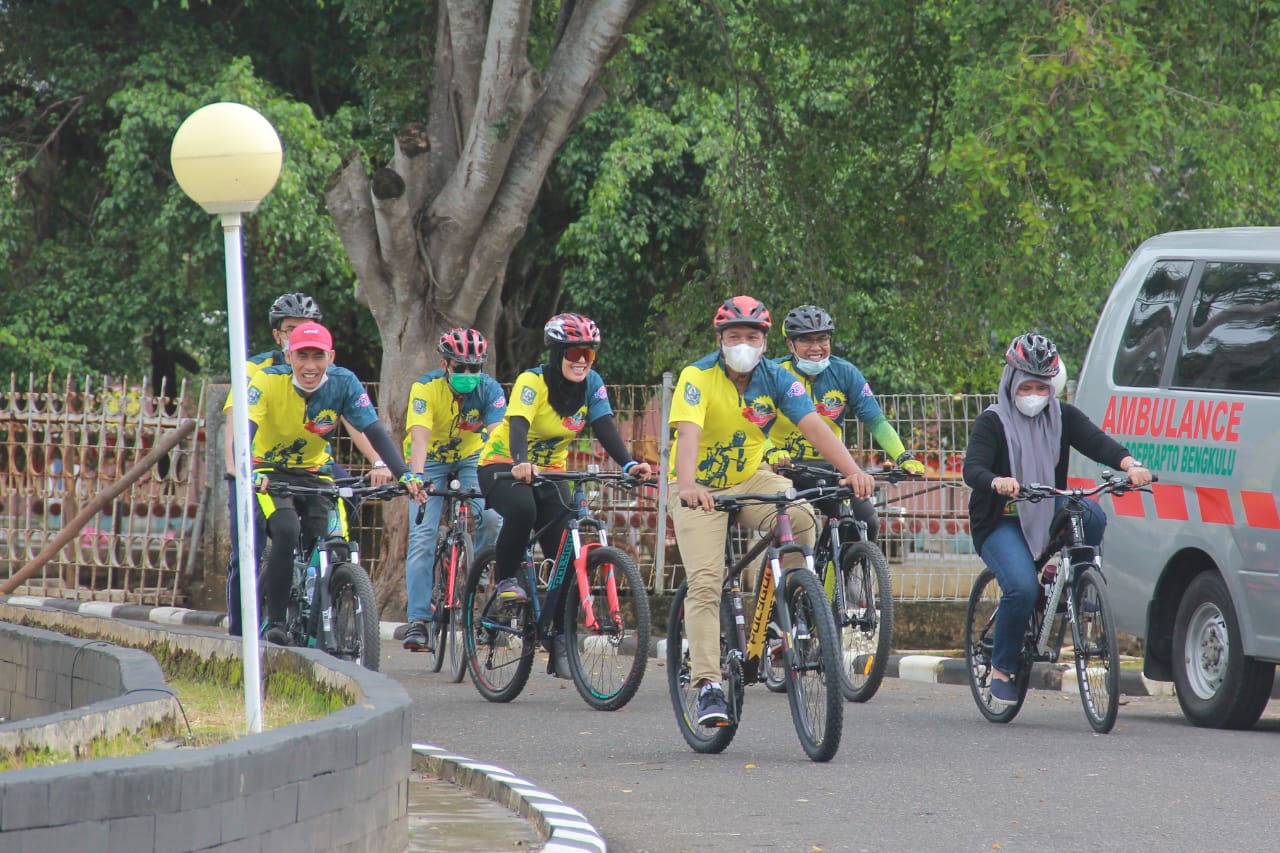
499,637
1097,650
684,695
355,616
608,648
864,614
454,628
813,666
979,638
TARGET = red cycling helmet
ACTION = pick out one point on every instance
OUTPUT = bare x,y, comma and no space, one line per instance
465,346
1034,354
571,329
743,311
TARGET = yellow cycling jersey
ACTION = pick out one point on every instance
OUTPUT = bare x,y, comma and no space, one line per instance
459,423
293,430
734,425
255,363
549,433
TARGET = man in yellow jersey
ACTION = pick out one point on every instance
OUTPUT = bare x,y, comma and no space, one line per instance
451,410
293,410
724,407
289,311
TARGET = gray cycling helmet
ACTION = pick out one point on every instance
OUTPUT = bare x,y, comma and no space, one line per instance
1034,354
807,320
298,305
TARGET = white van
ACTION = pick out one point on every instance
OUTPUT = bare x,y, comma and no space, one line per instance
1184,370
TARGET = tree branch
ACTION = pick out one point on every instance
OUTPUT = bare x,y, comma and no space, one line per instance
347,196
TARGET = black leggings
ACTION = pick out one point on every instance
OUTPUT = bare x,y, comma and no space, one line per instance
291,519
524,509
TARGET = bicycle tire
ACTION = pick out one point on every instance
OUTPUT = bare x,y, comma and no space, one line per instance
979,622
438,627
773,672
813,667
499,660
608,662
866,625
684,696
455,629
355,616
1097,649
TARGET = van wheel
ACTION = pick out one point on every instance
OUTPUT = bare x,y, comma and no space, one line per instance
1218,686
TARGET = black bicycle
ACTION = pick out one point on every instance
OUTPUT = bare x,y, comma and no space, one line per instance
855,575
804,622
1073,592
595,592
331,602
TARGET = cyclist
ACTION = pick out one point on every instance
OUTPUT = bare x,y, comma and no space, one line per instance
549,406
293,409
288,312
725,405
1026,436
450,411
838,389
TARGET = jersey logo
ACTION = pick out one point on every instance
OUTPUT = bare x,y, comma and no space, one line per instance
419,406
830,405
796,390
255,394
576,421
692,395
470,420
713,469
323,423
363,402
866,390
528,395
500,403
602,393
760,411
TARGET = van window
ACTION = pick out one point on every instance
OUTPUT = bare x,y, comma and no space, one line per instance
1233,330
1145,342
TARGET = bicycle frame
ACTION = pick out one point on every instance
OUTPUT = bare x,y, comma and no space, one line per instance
458,508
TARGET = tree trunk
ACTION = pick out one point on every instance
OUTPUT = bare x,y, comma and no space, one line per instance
430,235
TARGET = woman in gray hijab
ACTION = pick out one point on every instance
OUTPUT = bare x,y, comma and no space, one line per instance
1026,436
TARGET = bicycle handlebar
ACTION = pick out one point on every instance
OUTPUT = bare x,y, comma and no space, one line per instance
1111,483
892,475
626,481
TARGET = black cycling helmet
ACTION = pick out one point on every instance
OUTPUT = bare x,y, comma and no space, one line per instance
1034,354
298,305
742,311
807,320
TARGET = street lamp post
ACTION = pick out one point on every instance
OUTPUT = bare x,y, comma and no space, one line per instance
227,157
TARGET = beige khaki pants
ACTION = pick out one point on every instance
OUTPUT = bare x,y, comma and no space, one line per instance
700,536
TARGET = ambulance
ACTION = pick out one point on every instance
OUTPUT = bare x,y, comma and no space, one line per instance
1184,370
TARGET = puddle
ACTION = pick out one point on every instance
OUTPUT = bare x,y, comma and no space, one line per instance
444,818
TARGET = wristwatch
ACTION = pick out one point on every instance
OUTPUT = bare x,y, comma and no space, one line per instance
379,464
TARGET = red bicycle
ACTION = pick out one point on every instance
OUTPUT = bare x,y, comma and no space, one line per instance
454,552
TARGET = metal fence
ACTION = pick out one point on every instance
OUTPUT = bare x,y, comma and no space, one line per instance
62,444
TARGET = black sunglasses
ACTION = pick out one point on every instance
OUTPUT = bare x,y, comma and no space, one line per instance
459,367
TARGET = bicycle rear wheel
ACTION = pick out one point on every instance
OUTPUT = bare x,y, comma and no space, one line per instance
355,616
455,629
438,628
608,658
1097,650
864,615
499,637
684,696
980,620
813,666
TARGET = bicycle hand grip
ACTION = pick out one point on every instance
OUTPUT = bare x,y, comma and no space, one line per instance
422,511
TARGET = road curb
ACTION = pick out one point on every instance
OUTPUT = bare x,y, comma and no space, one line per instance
563,828
937,669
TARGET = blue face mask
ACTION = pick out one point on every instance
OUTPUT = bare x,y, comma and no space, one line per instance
811,368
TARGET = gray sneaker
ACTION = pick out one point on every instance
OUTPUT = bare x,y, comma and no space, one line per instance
712,710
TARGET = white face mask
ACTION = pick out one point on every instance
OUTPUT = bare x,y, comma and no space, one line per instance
1032,404
742,357
323,379
811,368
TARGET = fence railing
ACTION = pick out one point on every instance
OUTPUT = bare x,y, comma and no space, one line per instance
62,443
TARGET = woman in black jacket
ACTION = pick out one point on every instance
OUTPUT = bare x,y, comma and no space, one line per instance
1026,436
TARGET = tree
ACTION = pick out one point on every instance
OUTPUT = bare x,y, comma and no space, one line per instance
430,234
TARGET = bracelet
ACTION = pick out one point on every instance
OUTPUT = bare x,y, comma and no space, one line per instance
379,464
627,466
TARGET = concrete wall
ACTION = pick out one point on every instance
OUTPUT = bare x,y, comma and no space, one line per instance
338,783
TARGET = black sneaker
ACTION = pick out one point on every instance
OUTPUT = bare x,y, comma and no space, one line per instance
416,638
558,662
712,710
274,632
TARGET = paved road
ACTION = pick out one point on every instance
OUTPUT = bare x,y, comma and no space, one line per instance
918,770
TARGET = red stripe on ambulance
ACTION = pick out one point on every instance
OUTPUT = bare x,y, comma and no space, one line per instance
1215,505
1260,510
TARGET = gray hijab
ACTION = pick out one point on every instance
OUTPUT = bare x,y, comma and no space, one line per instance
1034,444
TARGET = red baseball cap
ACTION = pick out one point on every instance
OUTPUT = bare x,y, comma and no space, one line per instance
310,336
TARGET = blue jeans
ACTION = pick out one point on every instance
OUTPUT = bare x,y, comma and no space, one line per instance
1006,553
419,569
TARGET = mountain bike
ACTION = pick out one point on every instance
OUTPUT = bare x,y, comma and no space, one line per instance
453,556
331,602
1070,573
592,591
855,575
802,613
